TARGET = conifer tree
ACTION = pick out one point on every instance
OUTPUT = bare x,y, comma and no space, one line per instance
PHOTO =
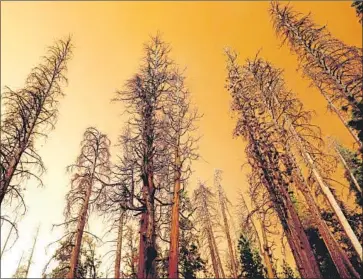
28,114
250,259
333,67
267,155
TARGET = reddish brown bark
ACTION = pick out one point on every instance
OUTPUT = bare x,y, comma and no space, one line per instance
174,235
79,234
119,245
147,251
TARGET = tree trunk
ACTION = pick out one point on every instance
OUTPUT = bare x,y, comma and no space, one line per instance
229,241
80,228
267,259
147,251
119,245
331,199
218,259
212,255
325,189
31,254
338,256
174,235
296,236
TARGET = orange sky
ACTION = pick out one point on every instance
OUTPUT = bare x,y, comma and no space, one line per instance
108,39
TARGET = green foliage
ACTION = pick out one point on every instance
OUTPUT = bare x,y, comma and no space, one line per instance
355,164
287,271
88,264
190,261
250,259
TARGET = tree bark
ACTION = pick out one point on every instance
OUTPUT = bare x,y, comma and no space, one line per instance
174,235
212,255
119,245
229,240
147,251
80,228
270,270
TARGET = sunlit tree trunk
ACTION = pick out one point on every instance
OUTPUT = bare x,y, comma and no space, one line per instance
174,236
79,234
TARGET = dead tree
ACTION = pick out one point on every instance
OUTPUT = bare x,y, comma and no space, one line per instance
223,202
179,121
335,68
205,213
28,114
291,119
266,157
143,96
91,166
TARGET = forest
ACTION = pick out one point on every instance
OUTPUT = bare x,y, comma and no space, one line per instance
155,215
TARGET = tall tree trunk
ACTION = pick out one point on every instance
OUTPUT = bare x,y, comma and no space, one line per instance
119,244
270,270
229,240
296,236
338,256
31,254
147,251
328,194
218,259
212,255
325,189
79,234
174,235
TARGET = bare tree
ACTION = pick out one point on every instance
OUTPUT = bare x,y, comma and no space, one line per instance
205,214
292,120
91,166
27,115
335,68
265,153
145,97
223,203
179,121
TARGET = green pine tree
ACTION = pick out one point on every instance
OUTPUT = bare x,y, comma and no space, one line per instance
190,261
250,259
